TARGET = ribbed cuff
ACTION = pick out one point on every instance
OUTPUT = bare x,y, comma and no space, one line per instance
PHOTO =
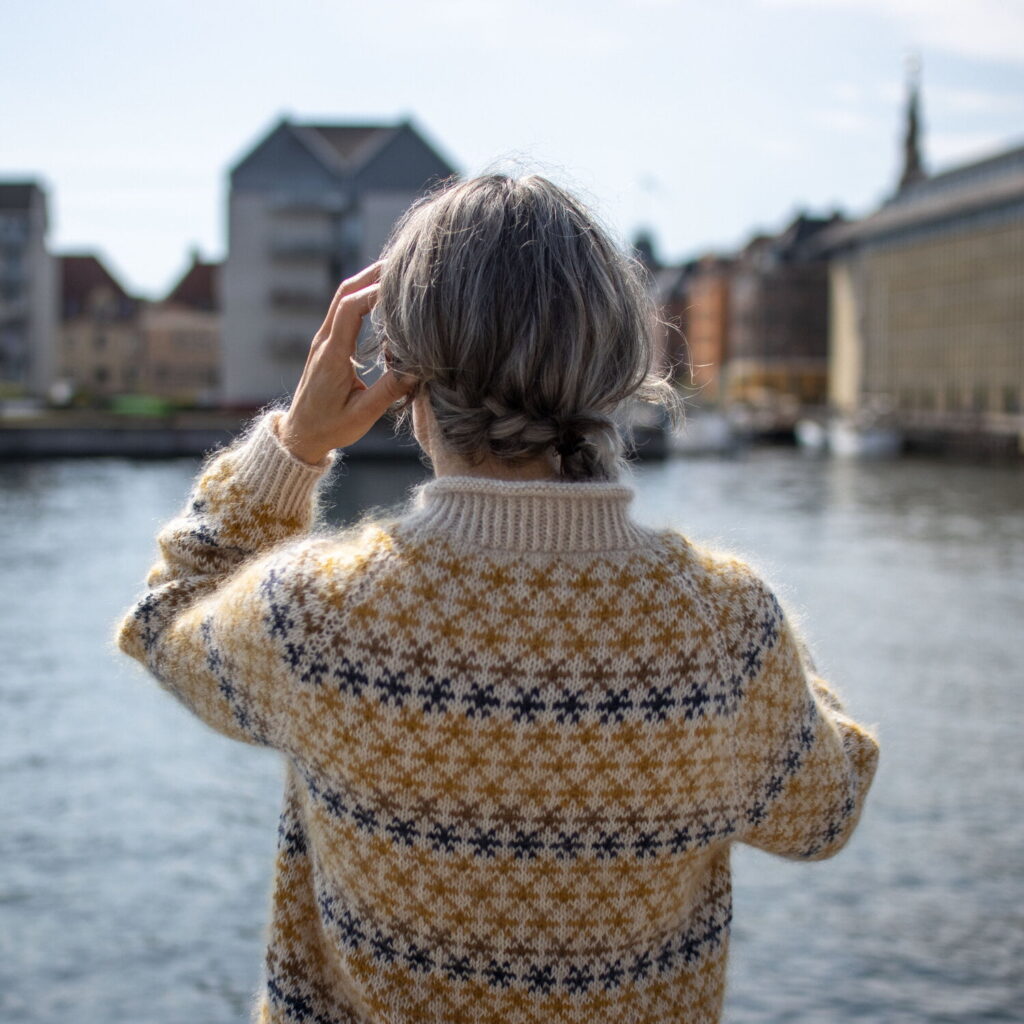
272,475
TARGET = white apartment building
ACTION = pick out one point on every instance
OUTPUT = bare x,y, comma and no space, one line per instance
28,296
309,205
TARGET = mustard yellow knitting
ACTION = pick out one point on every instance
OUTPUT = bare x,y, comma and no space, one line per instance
521,734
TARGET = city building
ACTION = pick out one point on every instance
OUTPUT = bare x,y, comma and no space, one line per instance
182,339
101,347
113,344
667,286
28,298
309,205
706,327
927,298
670,287
778,323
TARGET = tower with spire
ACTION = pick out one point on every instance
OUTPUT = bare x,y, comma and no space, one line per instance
913,169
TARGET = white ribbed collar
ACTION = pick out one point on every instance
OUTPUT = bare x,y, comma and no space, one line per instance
527,515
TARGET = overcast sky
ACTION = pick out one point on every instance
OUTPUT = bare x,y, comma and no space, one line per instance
701,120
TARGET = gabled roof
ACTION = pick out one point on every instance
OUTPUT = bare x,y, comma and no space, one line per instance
322,154
80,276
197,288
345,146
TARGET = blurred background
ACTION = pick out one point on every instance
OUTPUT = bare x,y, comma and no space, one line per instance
828,197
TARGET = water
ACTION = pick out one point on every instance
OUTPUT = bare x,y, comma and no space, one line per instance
137,845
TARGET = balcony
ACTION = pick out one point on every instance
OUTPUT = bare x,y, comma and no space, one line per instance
288,348
299,300
301,251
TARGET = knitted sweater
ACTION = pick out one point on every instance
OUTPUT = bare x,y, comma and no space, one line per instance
521,735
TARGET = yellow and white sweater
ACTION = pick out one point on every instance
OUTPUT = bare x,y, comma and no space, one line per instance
521,734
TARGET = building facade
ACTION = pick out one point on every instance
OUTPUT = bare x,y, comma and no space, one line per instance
778,324
309,205
670,290
101,347
28,292
927,293
113,344
182,339
707,326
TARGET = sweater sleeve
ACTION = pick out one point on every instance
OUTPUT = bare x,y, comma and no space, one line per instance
201,628
803,765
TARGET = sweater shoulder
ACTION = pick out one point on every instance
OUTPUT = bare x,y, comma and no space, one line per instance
721,575
330,566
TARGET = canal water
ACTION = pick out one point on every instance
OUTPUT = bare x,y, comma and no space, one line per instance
136,846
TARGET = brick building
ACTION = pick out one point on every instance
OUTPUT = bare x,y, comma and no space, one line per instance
778,322
707,325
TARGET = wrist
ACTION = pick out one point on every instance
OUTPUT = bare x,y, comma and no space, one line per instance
299,447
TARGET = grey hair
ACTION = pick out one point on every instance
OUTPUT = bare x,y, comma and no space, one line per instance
506,299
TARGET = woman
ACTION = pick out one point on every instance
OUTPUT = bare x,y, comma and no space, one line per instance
521,731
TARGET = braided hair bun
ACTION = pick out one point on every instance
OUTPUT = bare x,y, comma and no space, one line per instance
526,325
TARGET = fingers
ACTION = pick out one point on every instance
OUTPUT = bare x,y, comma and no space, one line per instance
367,276
348,318
381,395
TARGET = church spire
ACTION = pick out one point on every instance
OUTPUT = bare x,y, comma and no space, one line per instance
913,170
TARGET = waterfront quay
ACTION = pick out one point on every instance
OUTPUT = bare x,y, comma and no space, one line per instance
187,433
90,433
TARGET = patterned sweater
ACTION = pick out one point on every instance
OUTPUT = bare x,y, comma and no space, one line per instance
521,734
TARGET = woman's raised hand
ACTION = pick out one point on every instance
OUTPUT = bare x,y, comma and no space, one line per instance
332,407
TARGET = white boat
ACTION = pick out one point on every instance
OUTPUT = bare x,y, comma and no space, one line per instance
848,438
702,433
811,435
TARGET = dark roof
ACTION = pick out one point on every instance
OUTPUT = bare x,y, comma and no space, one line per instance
18,195
340,154
198,287
668,283
990,184
80,276
989,169
797,242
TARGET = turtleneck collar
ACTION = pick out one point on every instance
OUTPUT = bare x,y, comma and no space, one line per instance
528,515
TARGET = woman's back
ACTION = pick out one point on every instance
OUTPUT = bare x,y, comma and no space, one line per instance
522,733
521,730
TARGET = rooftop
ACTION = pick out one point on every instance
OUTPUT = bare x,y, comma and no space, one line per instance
18,195
350,144
197,288
81,276
993,183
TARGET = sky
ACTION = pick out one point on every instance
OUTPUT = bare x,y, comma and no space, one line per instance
700,121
